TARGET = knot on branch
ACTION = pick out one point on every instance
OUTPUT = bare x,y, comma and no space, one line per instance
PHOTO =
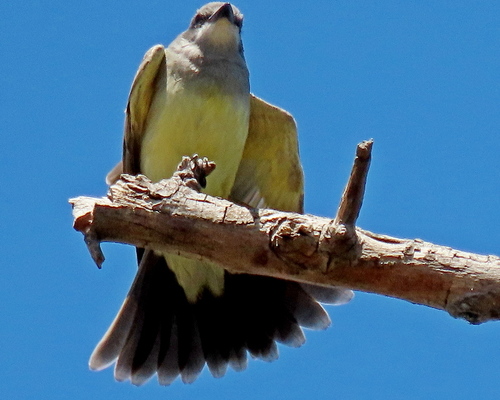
301,243
340,242
478,306
296,243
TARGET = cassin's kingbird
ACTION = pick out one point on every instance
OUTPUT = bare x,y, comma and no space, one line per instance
180,313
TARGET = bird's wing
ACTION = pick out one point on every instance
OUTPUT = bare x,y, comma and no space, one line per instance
136,113
270,173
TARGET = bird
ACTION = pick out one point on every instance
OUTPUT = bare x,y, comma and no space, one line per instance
183,314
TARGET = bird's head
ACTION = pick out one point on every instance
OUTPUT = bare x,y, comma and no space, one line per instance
217,25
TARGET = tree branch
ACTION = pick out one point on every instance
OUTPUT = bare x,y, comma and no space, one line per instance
172,216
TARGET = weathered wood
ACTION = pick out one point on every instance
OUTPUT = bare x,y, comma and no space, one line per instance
170,216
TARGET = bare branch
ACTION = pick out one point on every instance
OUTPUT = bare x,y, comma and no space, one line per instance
170,216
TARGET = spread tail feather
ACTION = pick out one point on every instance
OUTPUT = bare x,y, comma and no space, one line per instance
157,330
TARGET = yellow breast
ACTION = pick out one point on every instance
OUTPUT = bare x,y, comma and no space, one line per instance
184,122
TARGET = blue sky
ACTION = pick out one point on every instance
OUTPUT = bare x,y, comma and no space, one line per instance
420,77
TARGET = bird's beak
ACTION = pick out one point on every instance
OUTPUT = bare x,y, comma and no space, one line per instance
225,11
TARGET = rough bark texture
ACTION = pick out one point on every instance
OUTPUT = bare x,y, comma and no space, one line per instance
171,216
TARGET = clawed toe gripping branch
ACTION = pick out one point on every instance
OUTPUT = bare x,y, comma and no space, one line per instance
172,215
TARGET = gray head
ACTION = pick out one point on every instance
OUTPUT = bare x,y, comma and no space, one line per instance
216,25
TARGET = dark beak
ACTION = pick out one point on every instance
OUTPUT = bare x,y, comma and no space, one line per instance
225,11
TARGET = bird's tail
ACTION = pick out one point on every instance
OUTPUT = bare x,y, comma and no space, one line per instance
157,330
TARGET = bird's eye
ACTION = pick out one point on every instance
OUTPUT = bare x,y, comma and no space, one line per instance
198,20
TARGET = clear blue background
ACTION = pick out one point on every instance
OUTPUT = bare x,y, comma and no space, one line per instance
420,77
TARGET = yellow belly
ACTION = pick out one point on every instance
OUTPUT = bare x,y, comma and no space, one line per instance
182,124
186,123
